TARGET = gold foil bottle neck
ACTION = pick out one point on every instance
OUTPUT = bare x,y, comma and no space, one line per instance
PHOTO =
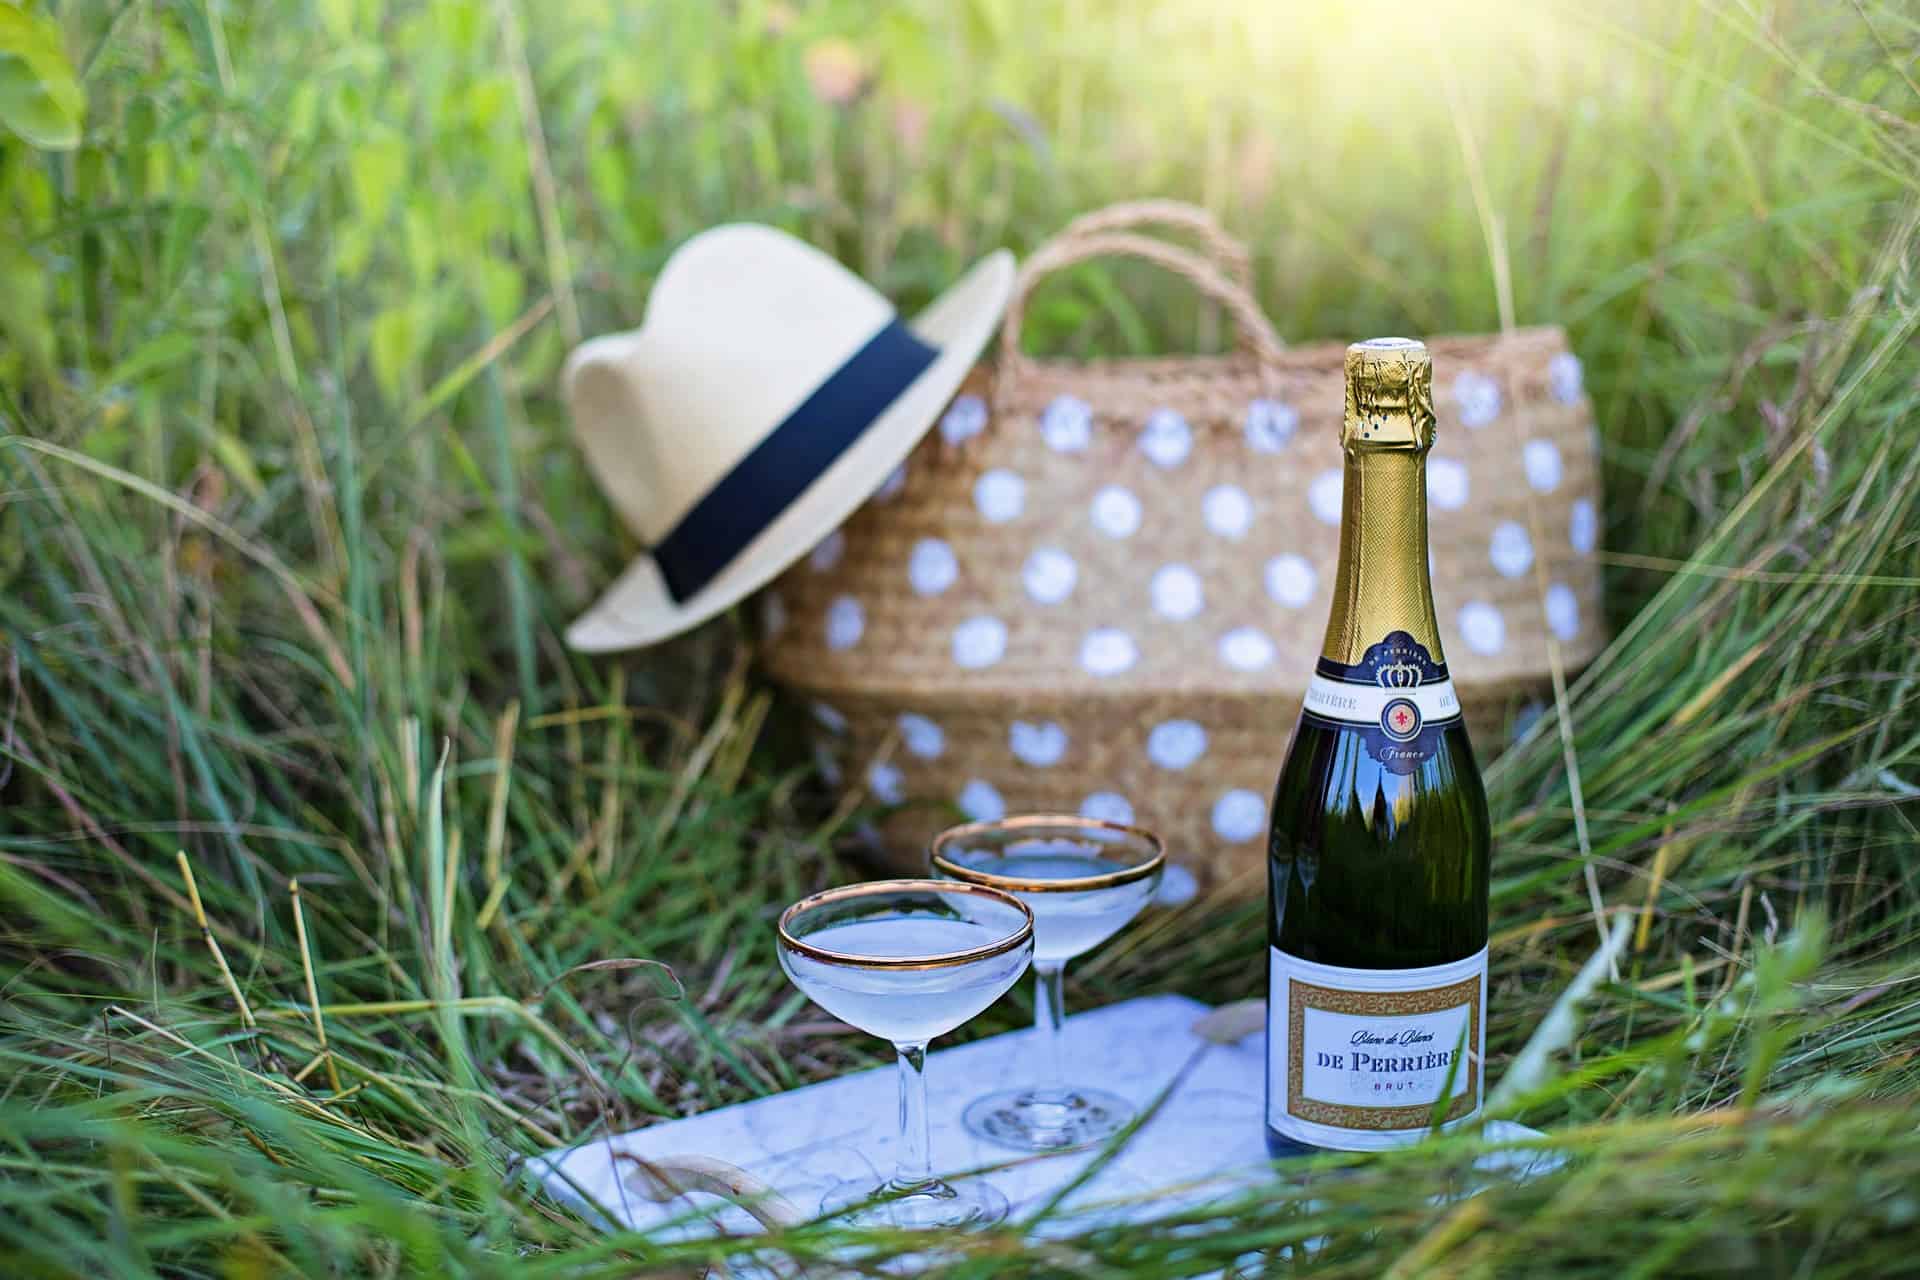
1381,585
1389,395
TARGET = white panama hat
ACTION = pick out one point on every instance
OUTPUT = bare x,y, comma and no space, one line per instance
767,394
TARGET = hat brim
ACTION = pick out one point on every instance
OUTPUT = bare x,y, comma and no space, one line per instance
638,610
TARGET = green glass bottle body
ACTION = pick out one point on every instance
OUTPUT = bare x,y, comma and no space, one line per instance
1379,840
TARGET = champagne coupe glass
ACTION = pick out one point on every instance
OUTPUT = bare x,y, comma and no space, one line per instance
908,960
1084,880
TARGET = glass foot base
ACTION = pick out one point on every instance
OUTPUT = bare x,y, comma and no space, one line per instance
1026,1121
933,1206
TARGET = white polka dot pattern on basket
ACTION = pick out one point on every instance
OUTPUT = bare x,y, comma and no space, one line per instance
1175,744
981,802
1564,377
1177,885
1239,815
1246,649
1323,495
1228,511
1107,651
1116,512
965,418
979,642
1067,425
1166,439
1482,627
1049,575
773,615
1270,425
827,552
885,782
1583,527
1478,397
1446,483
1291,580
1176,592
893,486
829,717
1000,494
1541,459
845,621
931,567
1563,611
1510,549
921,736
1039,745
1107,806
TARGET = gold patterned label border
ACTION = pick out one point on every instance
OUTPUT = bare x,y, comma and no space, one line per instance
1302,996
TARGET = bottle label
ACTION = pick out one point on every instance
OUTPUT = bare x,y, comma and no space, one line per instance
1360,1059
1397,693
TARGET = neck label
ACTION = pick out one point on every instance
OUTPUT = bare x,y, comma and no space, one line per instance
1396,694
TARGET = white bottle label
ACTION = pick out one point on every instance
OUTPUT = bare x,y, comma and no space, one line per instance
1358,1059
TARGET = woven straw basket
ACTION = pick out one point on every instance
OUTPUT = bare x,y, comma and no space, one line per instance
1101,587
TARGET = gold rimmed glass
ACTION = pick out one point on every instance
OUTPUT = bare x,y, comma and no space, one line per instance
908,960
1084,880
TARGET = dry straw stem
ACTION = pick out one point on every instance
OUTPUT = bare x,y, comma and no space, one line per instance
493,864
611,788
457,378
313,990
495,896
213,943
1662,860
577,861
450,883
410,765
1460,1224
730,765
695,767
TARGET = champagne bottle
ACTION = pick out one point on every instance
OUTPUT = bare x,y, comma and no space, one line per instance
1378,847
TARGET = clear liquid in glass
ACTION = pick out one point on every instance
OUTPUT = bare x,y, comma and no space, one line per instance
1067,923
905,1005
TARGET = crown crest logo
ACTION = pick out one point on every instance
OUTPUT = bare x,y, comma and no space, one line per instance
1397,675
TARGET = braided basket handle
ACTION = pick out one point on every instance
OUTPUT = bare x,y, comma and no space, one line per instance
1220,248
1254,334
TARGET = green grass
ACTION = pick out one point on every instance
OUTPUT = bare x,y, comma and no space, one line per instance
289,525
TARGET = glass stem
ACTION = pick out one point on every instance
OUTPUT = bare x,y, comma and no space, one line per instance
916,1162
1049,1028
